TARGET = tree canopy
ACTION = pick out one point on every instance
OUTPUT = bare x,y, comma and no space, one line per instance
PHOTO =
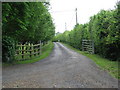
26,21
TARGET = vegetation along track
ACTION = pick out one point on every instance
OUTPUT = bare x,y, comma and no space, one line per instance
62,69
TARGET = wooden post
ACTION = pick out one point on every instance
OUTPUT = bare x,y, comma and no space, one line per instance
26,48
23,52
34,49
93,47
40,48
88,47
17,49
30,50
21,48
82,46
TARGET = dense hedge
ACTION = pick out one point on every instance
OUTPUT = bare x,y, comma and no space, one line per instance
103,28
25,22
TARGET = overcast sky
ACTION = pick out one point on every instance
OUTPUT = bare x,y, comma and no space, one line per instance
63,11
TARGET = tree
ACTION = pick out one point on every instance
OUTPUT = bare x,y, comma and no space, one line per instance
27,22
103,28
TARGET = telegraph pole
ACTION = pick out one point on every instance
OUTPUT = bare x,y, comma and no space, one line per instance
76,16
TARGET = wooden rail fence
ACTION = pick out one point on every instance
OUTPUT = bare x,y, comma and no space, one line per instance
88,46
28,51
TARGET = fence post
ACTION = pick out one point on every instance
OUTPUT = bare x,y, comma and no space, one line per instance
35,50
88,45
26,48
93,47
22,51
21,48
30,50
40,47
82,46
17,47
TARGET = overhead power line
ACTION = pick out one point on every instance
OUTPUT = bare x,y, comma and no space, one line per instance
71,19
75,17
61,11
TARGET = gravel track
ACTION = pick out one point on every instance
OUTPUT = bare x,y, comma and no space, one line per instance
64,68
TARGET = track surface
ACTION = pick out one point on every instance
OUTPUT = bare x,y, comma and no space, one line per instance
64,68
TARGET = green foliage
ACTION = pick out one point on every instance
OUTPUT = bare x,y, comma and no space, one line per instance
26,22
46,50
103,28
8,49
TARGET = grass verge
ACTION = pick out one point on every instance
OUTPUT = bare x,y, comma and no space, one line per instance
46,50
105,64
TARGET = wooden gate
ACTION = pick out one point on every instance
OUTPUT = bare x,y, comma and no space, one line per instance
88,46
27,51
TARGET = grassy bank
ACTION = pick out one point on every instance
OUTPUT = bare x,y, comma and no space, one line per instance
105,64
46,50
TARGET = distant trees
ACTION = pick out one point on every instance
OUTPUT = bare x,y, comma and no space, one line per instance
103,28
26,22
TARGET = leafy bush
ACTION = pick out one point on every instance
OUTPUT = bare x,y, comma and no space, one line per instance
24,22
18,18
103,28
8,49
